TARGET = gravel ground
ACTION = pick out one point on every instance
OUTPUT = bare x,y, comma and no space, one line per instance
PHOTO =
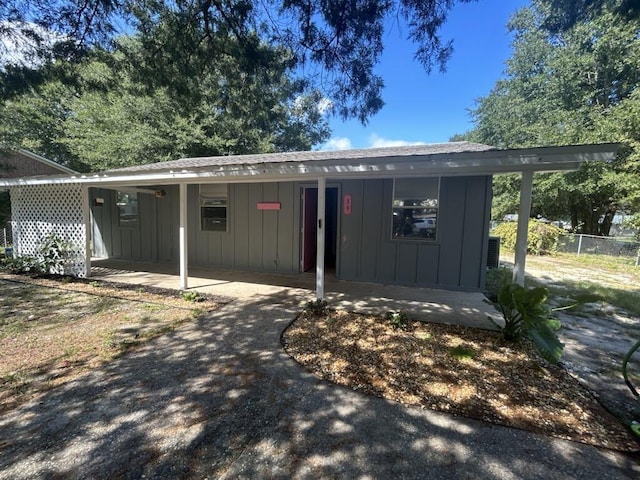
218,398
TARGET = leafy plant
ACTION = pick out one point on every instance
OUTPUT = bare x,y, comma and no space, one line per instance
23,264
317,307
527,314
192,296
53,254
399,319
51,258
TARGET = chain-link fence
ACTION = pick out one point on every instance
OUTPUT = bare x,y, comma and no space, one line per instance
591,244
5,236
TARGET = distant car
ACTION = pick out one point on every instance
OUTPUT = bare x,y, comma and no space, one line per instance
425,227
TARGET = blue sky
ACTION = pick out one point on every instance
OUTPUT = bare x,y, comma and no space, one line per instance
421,108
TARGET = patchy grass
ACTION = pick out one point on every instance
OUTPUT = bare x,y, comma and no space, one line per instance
609,262
609,281
51,331
461,352
589,292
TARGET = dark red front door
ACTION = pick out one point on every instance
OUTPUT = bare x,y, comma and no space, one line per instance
310,216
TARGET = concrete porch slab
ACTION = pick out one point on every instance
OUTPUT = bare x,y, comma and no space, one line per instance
426,304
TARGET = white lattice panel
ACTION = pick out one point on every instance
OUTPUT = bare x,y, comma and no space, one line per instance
40,210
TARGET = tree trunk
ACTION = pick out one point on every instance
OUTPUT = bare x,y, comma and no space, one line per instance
607,221
574,220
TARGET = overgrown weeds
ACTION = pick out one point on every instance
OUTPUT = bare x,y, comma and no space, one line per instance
399,319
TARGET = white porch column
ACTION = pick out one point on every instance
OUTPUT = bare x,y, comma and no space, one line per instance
88,230
523,226
184,254
322,183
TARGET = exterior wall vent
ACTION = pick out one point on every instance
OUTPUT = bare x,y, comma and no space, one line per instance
493,252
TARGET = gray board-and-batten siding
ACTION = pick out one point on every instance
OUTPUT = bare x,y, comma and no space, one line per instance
270,240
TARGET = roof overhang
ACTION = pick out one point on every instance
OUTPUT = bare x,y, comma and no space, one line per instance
488,162
46,161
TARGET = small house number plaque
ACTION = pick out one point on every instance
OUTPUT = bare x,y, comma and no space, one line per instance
347,204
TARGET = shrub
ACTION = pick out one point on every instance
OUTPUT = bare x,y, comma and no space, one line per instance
542,237
23,264
526,313
53,254
51,258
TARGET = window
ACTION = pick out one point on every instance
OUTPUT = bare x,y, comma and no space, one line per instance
213,207
127,209
415,208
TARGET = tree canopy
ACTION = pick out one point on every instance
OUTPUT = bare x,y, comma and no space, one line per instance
570,85
112,109
334,44
562,15
108,83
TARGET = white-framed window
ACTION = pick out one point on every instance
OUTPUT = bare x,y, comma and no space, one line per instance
415,208
213,207
127,209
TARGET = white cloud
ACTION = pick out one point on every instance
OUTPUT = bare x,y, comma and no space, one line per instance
375,141
337,143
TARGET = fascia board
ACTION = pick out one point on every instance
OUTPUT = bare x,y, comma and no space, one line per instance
286,173
471,163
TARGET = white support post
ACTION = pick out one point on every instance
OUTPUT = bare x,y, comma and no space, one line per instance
88,224
184,254
15,195
523,226
322,183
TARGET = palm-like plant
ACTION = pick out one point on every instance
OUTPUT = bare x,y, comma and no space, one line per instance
527,314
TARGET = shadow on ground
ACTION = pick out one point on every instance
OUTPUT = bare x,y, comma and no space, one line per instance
218,398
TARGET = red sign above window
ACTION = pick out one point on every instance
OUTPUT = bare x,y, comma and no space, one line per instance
268,205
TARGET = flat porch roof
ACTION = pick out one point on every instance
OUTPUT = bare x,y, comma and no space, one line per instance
440,306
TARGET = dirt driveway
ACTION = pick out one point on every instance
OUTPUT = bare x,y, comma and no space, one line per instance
218,398
598,335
